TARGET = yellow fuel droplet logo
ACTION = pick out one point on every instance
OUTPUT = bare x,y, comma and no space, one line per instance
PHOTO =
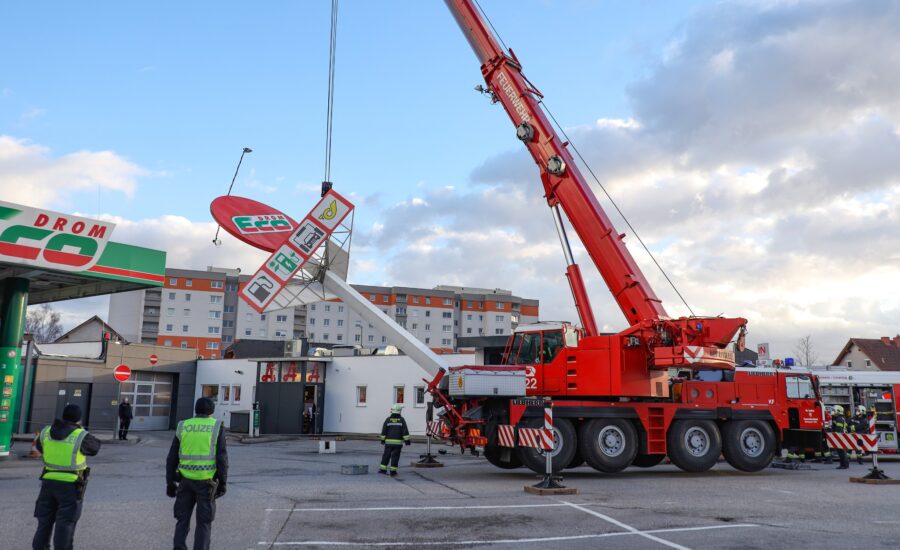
329,212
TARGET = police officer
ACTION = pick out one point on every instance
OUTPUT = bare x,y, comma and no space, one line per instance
839,425
63,480
196,473
394,434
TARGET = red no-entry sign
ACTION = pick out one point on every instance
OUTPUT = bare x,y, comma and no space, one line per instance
153,359
122,373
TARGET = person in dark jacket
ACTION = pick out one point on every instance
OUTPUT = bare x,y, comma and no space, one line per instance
64,445
125,416
394,434
860,425
839,425
197,473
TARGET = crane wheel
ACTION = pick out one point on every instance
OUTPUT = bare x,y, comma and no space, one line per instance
748,445
564,440
502,457
694,445
647,461
608,444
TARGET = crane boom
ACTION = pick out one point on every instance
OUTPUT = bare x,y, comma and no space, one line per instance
564,185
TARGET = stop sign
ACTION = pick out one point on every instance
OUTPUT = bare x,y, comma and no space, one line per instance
122,373
153,359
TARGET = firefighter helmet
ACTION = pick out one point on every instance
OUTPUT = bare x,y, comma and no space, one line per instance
861,409
838,409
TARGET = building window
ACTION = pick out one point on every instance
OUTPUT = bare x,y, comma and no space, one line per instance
469,330
499,305
248,332
427,313
340,322
312,307
498,331
229,309
187,312
183,344
169,328
384,298
235,393
211,391
361,396
340,309
281,318
188,282
372,298
499,318
213,314
312,321
383,339
171,295
849,364
399,394
280,334
446,342
228,324
325,337
428,340
371,338
170,312
868,364
415,299
187,297
420,396
415,326
447,315
312,335
215,299
225,391
327,307
227,339
427,299
167,343
216,284
447,328
448,302
263,317
212,345
184,328
469,317
427,327
356,338
213,330
326,322
340,337
173,281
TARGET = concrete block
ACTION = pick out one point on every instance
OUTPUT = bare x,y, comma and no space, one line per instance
354,469
327,446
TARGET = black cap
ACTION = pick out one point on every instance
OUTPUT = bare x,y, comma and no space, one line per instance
204,406
72,413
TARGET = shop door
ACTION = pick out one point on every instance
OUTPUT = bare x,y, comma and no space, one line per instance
150,395
74,392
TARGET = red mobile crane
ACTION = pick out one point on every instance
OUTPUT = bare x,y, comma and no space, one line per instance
615,403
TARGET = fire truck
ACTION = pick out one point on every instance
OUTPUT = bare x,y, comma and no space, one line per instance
874,390
664,386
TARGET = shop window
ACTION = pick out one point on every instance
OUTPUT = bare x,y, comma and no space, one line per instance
225,392
211,391
399,394
420,396
361,396
235,394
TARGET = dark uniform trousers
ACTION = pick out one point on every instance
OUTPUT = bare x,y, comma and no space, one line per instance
58,503
190,493
124,424
391,454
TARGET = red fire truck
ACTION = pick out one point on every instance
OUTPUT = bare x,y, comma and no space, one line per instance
662,387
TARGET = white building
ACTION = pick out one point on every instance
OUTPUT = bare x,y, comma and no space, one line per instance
230,383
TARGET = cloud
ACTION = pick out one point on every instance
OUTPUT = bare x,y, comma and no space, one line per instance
29,174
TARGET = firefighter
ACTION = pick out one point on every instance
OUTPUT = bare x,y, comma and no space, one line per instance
839,425
196,473
394,434
64,446
859,425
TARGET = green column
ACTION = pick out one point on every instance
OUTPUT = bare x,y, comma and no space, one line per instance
13,304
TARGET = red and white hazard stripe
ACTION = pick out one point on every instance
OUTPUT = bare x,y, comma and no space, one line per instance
536,438
852,442
436,429
872,425
506,435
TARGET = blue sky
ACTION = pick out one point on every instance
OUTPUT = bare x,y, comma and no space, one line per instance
753,144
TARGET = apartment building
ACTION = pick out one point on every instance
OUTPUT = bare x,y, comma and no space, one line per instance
436,316
199,310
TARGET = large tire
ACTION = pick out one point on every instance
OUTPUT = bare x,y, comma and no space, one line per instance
647,461
694,445
565,442
495,455
748,445
608,444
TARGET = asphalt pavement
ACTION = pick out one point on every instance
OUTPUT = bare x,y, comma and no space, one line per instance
285,494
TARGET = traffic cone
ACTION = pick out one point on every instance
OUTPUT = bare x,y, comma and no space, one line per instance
34,453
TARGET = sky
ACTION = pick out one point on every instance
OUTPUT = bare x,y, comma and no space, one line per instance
752,145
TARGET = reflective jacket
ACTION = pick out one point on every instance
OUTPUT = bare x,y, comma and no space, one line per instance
197,447
63,459
860,424
839,424
394,430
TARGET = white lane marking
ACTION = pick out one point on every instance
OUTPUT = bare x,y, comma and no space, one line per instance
503,541
389,508
626,527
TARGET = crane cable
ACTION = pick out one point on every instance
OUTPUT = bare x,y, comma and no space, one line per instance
596,179
330,110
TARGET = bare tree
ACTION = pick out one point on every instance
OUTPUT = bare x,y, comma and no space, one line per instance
43,323
806,354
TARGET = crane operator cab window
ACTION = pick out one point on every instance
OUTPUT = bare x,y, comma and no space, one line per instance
800,387
531,348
